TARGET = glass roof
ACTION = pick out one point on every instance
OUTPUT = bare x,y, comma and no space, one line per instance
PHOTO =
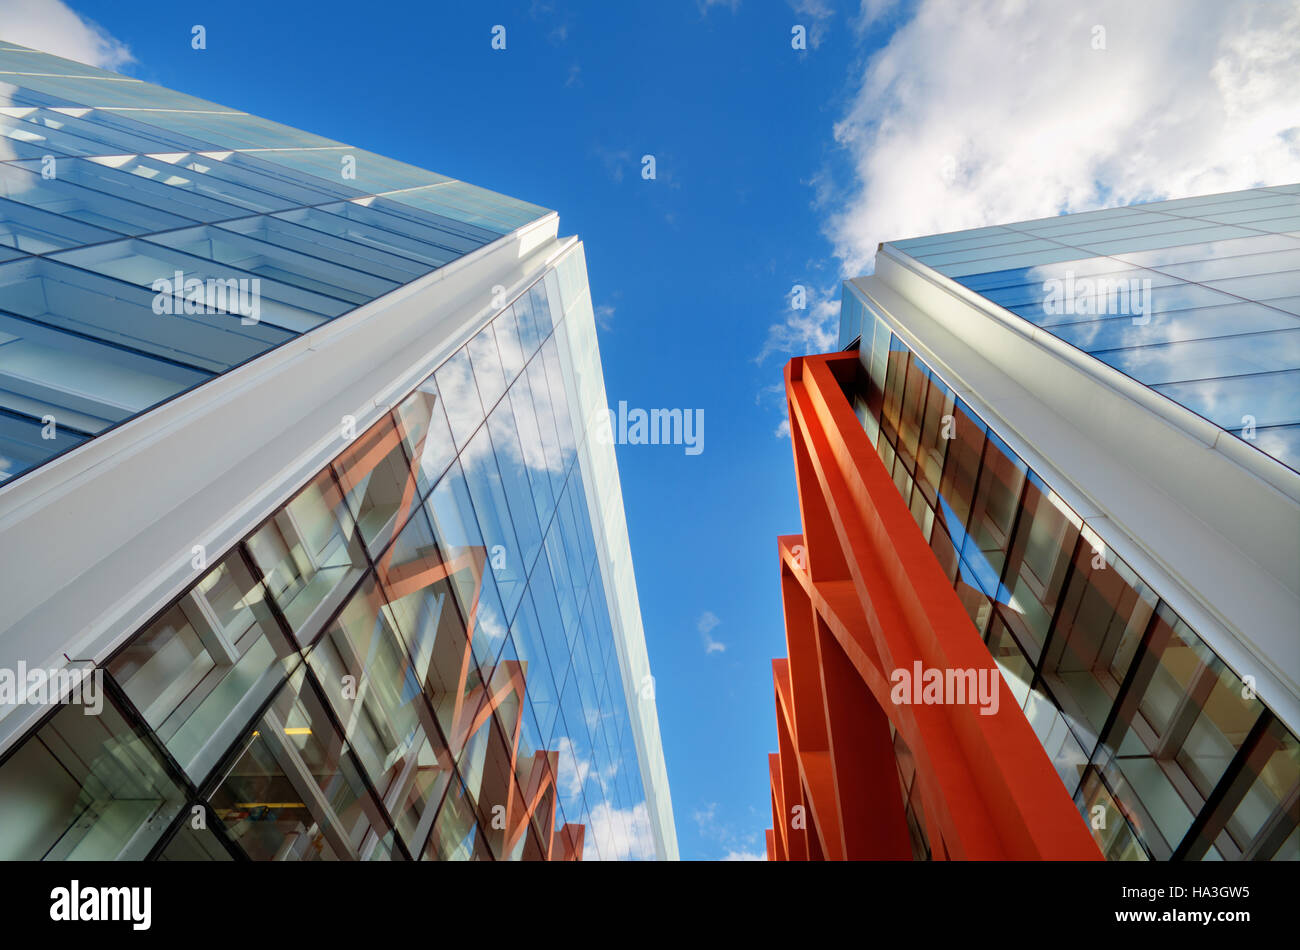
1197,298
112,188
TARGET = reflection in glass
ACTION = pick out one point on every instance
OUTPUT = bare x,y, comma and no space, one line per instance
199,673
85,788
294,792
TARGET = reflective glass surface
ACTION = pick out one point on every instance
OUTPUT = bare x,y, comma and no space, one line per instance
1165,750
113,190
411,658
1197,298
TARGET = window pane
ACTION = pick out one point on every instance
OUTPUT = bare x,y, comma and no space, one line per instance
419,587
993,514
85,788
378,483
459,396
426,435
365,671
487,367
957,487
484,479
1102,619
311,556
200,672
1038,564
1181,723
455,834
1113,834
294,793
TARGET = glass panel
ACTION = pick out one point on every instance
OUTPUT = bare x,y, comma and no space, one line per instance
85,788
426,435
310,555
371,682
1260,807
23,444
1181,723
459,396
533,448
910,413
529,337
200,672
456,833
182,283
378,482
294,793
519,494
415,237
937,430
508,558
1103,616
34,231
1201,359
419,588
86,205
509,345
195,344
1016,669
957,487
1038,564
993,514
166,194
1269,398
487,367
274,263
1111,831
530,648
189,844
451,513
353,252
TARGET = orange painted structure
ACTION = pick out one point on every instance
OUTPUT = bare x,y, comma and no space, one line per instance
864,595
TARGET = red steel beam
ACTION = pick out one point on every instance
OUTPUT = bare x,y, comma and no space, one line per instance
864,595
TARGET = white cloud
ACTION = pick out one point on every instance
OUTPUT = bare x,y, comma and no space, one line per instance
620,834
813,329
1007,112
573,770
706,817
49,26
815,15
783,429
872,11
735,845
707,622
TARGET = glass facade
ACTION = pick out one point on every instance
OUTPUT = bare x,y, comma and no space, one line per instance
1166,752
109,185
1196,298
411,658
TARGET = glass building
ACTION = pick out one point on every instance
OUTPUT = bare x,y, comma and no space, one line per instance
295,465
1093,422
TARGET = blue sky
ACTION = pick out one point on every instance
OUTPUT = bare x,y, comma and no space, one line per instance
775,167
687,270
